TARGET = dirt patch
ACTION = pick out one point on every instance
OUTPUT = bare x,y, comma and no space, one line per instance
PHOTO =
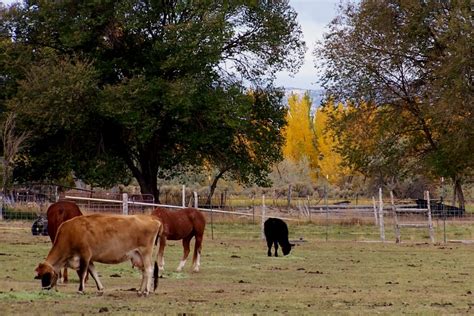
237,277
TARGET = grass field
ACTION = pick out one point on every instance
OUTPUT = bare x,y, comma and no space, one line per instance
341,276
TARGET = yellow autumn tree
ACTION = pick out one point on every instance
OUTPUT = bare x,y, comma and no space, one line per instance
299,133
329,159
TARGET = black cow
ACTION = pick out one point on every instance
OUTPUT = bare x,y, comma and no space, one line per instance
276,232
40,226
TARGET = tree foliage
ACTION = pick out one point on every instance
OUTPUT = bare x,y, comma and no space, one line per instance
407,65
330,161
299,133
156,85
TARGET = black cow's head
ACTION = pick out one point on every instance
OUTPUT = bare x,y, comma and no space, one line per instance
47,275
287,248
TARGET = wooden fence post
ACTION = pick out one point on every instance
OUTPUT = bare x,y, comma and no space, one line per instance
195,199
430,223
382,228
375,212
183,198
253,208
289,196
309,209
124,203
395,216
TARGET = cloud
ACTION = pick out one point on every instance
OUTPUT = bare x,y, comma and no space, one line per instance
313,16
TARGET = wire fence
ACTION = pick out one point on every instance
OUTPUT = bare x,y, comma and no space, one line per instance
332,219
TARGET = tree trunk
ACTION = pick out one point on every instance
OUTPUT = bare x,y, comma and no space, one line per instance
147,180
148,185
458,194
213,186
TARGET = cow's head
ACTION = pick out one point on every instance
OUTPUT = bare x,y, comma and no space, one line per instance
287,248
47,275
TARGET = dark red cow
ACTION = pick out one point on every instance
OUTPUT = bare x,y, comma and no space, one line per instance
58,213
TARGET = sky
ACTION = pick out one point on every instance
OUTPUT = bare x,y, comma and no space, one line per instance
313,16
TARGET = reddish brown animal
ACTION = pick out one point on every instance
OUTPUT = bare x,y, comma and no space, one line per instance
109,239
181,224
57,214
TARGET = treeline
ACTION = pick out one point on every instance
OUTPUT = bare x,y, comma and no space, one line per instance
403,70
112,92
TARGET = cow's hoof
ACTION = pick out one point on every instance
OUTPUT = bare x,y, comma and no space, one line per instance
81,292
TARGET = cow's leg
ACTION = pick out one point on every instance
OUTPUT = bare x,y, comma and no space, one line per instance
79,275
161,258
275,243
64,276
147,273
197,253
269,244
83,267
95,276
186,250
60,277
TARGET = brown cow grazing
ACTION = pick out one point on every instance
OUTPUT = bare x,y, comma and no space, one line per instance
110,239
181,224
58,213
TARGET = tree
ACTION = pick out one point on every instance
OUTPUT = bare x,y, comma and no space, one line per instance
163,72
406,58
330,161
248,150
56,103
12,144
299,133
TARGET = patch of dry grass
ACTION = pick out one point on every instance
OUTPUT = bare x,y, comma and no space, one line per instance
238,278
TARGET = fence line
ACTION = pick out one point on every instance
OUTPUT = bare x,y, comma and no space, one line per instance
324,215
126,202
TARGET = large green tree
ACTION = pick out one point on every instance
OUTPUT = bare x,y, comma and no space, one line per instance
411,62
159,84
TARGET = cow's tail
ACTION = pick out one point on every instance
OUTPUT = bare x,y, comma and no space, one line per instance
160,232
156,271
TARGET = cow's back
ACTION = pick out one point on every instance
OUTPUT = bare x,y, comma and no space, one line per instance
107,237
179,223
275,229
58,213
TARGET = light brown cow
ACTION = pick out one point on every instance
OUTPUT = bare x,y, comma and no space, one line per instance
110,239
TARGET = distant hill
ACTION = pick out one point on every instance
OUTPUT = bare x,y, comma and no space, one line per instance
316,95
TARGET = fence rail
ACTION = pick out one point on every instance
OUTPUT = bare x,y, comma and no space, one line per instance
376,218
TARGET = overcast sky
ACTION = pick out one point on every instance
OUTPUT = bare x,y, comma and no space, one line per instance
313,16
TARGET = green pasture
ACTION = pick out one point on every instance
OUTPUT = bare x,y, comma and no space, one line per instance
350,274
